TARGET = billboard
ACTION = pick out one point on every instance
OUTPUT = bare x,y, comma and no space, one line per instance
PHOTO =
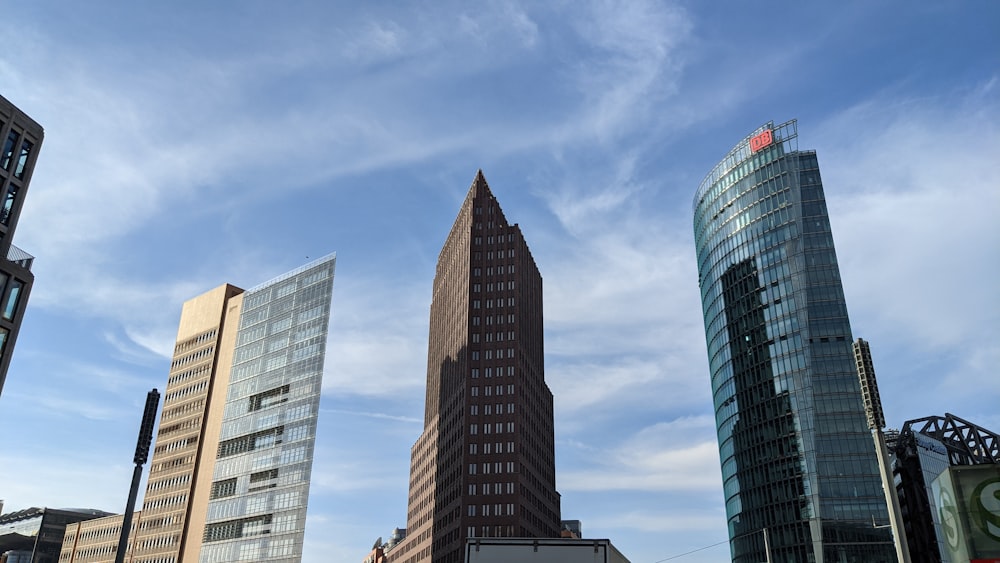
968,501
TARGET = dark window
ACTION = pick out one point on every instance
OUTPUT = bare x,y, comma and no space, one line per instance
264,475
22,159
225,488
269,398
8,150
251,442
8,203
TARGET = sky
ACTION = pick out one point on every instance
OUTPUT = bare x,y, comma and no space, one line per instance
190,144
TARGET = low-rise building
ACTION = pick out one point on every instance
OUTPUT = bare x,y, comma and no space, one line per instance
35,534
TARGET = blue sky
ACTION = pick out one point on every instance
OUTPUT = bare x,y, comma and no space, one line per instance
192,143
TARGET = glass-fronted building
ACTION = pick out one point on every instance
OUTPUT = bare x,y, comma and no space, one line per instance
799,469
260,486
21,140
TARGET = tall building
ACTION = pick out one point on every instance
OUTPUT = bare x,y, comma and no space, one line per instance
485,463
229,478
799,469
22,139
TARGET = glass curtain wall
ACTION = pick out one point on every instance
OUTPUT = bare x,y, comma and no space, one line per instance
798,462
261,482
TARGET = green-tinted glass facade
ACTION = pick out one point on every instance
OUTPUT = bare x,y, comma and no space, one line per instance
798,461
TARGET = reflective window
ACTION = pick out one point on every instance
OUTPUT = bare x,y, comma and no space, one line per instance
22,159
10,307
8,203
8,150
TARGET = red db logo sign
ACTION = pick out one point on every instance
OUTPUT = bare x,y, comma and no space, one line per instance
761,141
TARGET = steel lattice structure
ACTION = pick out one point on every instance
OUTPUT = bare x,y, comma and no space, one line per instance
967,443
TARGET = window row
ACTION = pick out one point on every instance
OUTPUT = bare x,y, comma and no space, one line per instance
497,509
496,467
491,447
7,157
490,271
490,303
491,488
488,371
488,409
495,428
489,390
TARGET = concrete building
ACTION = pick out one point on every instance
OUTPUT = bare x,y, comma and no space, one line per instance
935,459
484,466
35,535
229,477
800,474
95,541
22,139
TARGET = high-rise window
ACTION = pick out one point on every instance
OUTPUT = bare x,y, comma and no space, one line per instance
8,149
10,305
22,159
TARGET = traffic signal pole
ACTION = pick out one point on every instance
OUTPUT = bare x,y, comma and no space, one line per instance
141,455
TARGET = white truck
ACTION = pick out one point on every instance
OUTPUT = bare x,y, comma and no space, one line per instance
541,550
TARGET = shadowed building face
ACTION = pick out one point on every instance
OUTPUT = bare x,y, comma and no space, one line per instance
485,464
20,141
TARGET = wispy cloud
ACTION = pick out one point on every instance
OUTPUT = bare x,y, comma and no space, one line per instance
377,343
380,415
668,456
912,201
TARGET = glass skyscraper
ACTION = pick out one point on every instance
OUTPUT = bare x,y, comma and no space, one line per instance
260,485
799,470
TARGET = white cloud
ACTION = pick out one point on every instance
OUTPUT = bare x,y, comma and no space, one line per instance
633,65
377,344
909,184
669,520
668,456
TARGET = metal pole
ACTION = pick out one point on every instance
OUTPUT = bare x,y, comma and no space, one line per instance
141,455
767,546
892,498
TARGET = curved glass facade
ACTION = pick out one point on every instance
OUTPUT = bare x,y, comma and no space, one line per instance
798,461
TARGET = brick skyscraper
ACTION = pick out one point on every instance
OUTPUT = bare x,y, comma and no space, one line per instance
485,463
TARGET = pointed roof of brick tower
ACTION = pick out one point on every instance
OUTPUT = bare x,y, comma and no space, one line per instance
479,185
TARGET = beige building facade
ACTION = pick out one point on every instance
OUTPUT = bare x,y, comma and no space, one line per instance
168,528
229,476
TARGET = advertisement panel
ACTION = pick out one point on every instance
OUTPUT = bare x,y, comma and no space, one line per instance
968,499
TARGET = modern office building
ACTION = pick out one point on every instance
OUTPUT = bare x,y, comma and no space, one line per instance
229,478
35,535
935,458
484,465
260,485
22,139
800,476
